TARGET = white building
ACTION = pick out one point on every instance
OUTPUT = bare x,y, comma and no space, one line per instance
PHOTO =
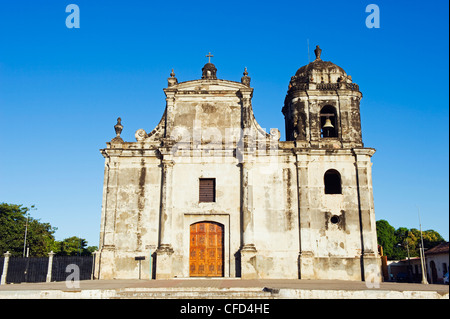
209,193
437,263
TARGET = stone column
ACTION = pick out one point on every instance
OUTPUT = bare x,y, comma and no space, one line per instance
49,268
5,268
247,208
248,250
170,102
246,99
109,205
306,254
246,148
166,203
165,249
109,208
369,248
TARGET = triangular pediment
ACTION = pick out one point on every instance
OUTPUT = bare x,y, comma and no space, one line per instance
202,86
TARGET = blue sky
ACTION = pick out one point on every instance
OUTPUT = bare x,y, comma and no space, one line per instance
61,90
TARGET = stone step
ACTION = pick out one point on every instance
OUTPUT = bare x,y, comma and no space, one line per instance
193,293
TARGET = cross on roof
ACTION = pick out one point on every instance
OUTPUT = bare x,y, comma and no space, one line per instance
209,56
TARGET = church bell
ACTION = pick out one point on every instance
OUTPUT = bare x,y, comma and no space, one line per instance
328,123
328,128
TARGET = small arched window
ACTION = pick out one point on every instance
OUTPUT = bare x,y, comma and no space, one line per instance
332,181
328,122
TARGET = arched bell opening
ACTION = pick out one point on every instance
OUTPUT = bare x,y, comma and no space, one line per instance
328,122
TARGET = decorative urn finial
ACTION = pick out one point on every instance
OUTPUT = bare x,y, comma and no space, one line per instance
172,80
318,52
118,128
245,79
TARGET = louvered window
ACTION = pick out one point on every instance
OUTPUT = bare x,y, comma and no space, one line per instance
207,190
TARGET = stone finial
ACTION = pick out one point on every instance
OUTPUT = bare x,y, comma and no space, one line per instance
172,80
118,128
245,79
318,52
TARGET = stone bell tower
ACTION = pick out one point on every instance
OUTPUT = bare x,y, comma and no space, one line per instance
336,211
321,108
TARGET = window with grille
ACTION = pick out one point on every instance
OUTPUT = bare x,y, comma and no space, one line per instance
207,190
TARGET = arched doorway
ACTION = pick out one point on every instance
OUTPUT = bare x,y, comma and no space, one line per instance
206,250
433,272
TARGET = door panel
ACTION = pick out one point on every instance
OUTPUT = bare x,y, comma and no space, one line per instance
206,250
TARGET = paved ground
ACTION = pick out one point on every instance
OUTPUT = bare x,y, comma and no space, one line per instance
227,283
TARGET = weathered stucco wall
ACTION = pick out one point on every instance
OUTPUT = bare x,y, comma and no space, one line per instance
269,196
276,217
130,225
187,209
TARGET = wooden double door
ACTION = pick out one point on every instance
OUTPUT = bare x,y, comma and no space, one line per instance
206,250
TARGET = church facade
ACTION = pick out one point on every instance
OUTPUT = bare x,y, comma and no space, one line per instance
209,193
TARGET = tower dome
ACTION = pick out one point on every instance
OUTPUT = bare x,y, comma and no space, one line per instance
319,72
321,69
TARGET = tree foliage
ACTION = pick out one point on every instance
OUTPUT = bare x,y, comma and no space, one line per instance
386,237
397,242
13,221
40,236
74,246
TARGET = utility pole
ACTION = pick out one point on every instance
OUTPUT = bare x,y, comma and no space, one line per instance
422,253
26,232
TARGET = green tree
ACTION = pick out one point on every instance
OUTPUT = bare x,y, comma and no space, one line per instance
386,237
13,219
75,246
396,242
91,249
432,238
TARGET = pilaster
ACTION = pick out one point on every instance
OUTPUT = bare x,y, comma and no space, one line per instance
370,260
248,249
170,103
165,251
306,254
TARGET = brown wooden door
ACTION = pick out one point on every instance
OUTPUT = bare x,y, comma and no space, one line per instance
206,250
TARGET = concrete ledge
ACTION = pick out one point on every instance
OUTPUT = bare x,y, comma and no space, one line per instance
359,294
222,289
243,293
